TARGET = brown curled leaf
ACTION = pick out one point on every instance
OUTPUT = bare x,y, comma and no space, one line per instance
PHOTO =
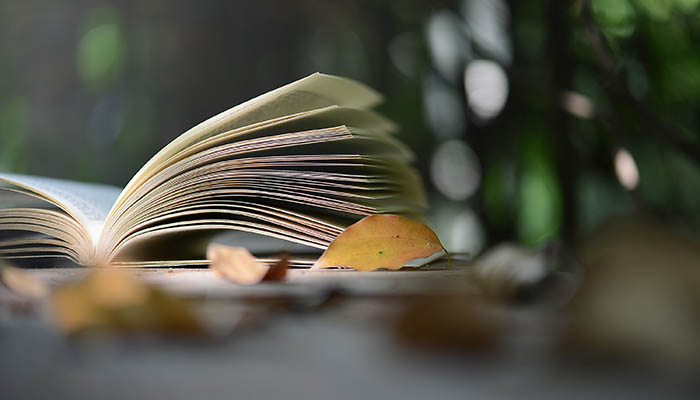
278,270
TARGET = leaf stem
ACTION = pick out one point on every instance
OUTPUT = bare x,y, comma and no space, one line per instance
449,262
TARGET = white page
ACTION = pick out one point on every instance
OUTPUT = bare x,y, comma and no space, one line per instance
88,203
314,91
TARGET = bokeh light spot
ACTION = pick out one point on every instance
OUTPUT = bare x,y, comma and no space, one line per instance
444,109
448,43
460,228
467,234
486,85
488,23
455,170
626,169
577,104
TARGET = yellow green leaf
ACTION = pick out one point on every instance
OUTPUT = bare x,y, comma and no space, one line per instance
380,241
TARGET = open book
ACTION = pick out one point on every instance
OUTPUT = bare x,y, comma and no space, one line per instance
297,164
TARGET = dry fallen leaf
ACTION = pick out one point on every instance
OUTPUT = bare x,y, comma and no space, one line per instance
238,265
20,283
116,300
380,241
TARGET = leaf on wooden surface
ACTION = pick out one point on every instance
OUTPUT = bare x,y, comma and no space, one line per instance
116,300
238,265
380,241
21,283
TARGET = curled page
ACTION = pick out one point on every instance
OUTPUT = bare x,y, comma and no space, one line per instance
88,203
313,92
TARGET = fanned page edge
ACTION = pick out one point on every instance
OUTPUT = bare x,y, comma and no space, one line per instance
86,203
354,94
294,262
316,91
88,206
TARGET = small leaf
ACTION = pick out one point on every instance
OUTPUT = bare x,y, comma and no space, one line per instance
278,270
22,284
116,300
236,264
380,241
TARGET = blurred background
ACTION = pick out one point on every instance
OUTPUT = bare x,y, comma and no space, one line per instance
531,121
539,122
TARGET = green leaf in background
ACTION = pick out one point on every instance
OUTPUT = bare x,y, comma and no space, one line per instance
687,5
656,9
539,200
14,129
101,49
662,10
616,17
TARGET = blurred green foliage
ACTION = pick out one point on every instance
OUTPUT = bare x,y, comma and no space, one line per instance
91,91
659,61
14,127
538,195
101,49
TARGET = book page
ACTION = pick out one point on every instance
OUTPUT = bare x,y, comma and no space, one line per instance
13,196
88,203
312,92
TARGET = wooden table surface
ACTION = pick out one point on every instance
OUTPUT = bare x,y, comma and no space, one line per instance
345,351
